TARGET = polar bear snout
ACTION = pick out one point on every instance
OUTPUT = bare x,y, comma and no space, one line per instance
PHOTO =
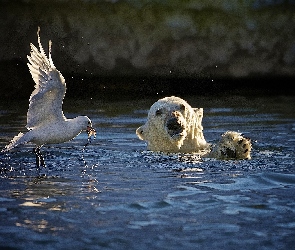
175,125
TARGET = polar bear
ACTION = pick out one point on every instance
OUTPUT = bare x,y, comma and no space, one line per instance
173,126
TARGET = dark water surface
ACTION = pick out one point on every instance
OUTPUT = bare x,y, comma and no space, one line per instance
117,195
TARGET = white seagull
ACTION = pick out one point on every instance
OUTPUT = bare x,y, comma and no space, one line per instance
45,119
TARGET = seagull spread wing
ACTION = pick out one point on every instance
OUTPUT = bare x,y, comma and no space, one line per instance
46,100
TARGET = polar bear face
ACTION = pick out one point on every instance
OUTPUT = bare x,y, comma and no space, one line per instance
173,126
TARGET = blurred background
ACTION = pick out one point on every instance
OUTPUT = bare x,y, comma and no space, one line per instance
135,48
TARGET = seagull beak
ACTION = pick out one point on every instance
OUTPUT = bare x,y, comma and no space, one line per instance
90,131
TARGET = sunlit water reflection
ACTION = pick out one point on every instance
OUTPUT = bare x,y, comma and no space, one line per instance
117,195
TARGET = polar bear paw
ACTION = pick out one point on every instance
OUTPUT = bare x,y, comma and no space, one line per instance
232,145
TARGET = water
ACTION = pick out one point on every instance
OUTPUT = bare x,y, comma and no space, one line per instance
117,195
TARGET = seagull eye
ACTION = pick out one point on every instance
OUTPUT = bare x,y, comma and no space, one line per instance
159,112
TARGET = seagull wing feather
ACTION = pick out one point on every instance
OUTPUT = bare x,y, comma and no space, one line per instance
47,98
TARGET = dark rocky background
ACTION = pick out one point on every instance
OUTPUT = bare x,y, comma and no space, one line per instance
137,48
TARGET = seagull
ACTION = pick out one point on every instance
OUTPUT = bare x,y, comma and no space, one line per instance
46,122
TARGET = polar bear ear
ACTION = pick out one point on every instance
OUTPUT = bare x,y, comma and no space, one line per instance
199,112
140,132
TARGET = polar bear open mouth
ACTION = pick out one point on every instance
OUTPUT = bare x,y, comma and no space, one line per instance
175,128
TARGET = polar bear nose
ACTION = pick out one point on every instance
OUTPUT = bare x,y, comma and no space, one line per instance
173,124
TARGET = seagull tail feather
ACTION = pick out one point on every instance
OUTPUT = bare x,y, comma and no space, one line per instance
17,140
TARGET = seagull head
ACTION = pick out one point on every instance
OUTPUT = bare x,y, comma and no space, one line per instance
85,122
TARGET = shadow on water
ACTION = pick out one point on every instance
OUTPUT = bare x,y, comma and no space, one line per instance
114,194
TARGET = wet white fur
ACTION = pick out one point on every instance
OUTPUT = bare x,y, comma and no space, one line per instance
191,140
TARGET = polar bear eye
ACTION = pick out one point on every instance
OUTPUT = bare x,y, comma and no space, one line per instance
182,107
159,112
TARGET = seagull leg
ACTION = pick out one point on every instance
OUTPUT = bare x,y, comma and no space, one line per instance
39,158
35,150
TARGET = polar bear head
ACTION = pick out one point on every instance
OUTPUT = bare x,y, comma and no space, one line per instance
173,126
